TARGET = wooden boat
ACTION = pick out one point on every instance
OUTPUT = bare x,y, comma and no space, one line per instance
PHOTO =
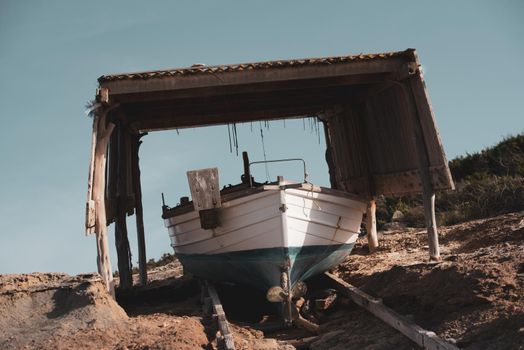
263,231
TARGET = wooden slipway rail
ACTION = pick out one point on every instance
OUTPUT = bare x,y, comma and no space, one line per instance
212,303
427,339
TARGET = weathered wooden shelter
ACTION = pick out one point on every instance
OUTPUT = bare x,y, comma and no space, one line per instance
380,130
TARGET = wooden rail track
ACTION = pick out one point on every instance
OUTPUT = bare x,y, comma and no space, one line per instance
424,338
212,303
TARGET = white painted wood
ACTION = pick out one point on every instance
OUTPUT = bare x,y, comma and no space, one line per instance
276,217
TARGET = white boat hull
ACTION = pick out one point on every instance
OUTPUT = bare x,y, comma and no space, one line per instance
279,224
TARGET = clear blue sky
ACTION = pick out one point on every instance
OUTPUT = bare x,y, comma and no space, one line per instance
52,52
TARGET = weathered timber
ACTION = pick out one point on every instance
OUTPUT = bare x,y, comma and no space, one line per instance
409,181
158,121
431,224
302,343
223,325
427,121
205,190
424,338
90,204
428,194
121,237
246,178
347,130
371,225
123,252
103,131
139,214
382,134
329,153
309,326
225,90
194,81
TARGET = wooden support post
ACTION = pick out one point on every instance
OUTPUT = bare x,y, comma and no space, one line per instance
121,238
431,224
428,194
123,253
139,213
371,225
96,212
329,156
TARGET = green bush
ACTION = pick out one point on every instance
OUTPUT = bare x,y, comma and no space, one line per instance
503,159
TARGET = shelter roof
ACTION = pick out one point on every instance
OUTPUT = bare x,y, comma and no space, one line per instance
203,69
380,126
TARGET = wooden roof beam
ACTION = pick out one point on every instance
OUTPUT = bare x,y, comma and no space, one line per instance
222,79
264,87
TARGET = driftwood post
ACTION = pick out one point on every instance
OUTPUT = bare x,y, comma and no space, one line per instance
139,214
371,225
96,211
431,224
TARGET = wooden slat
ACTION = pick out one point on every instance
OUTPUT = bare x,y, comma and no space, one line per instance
347,131
165,120
426,339
280,86
436,154
409,181
234,107
223,325
112,179
205,190
389,132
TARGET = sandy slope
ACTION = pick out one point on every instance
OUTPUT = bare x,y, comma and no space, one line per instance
473,297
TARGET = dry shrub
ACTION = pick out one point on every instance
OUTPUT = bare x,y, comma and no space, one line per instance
481,198
477,198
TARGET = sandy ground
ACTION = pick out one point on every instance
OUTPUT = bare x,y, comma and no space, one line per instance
474,298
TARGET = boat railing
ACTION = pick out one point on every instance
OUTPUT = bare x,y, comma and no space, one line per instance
275,161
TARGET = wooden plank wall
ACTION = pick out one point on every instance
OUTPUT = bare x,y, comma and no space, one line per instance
389,125
346,137
372,144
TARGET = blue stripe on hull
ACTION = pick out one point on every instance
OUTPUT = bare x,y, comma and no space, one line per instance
261,268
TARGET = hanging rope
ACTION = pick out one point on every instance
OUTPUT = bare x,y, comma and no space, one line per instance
235,138
229,135
264,151
232,132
